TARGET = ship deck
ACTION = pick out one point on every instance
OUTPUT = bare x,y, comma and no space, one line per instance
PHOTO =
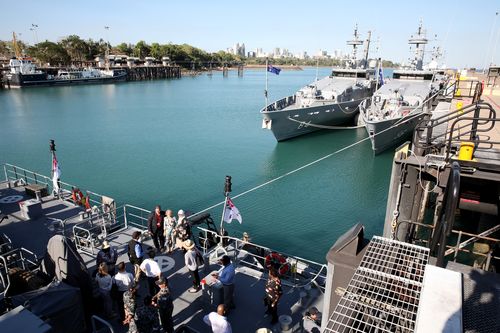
189,308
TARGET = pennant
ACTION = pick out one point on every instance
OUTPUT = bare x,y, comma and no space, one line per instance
231,213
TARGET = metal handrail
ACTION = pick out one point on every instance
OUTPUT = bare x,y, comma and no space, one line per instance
102,321
5,285
425,139
473,137
13,172
239,244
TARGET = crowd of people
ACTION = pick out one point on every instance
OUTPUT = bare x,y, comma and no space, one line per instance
118,290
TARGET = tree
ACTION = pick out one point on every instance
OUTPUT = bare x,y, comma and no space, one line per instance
141,49
156,51
76,48
124,48
5,49
49,52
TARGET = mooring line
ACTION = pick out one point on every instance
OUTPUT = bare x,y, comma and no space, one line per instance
322,158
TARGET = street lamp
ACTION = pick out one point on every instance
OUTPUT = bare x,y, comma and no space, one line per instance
33,28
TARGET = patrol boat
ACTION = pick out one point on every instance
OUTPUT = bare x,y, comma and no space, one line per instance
330,101
394,110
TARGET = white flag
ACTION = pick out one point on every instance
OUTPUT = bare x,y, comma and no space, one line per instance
56,173
231,213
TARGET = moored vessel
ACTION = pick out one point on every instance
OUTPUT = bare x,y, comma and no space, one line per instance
394,110
330,101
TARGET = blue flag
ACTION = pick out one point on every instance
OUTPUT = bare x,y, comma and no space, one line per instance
380,76
273,69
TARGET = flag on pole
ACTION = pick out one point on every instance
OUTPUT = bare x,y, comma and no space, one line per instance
274,70
231,213
380,76
56,172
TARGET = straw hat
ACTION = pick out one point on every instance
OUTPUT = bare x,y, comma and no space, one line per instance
188,245
105,245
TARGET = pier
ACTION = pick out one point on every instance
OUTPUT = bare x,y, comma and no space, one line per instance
153,73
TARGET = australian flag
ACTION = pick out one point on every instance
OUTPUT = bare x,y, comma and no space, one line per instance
380,76
272,69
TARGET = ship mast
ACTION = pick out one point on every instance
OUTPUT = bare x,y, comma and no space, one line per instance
355,42
367,49
419,40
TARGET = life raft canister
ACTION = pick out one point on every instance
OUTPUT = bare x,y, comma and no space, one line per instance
278,262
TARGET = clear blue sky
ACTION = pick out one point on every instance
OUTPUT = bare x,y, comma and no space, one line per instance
464,29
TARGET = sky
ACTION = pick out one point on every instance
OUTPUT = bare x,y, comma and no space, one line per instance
469,33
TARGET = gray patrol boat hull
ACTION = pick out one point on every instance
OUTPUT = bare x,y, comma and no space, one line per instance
294,122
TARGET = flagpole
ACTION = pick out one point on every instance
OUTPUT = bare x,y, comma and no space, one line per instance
265,91
227,190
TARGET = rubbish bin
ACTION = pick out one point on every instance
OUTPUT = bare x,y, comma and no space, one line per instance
213,291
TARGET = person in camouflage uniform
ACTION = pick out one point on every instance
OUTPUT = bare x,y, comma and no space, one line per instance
129,303
163,302
146,317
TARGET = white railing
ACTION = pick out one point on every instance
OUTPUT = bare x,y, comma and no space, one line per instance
301,272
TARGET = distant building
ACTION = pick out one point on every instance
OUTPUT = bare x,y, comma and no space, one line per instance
237,49
251,54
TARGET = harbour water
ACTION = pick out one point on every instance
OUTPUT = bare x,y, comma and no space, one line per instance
171,142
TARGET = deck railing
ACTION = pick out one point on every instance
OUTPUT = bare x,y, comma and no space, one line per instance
15,173
281,103
300,272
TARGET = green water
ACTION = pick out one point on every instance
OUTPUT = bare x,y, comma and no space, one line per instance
172,143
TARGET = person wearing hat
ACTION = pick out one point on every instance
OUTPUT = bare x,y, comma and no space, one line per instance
311,322
192,264
182,230
163,301
107,255
226,277
155,227
152,270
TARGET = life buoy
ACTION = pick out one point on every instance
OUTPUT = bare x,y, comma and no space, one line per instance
278,262
77,196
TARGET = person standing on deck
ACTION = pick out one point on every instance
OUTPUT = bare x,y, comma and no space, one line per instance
129,303
163,301
311,322
273,295
182,230
135,254
155,227
105,282
107,255
226,277
169,223
192,265
152,270
146,317
218,320
123,281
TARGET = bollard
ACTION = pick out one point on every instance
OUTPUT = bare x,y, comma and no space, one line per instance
285,322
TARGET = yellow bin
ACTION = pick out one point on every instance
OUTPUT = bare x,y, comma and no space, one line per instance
466,150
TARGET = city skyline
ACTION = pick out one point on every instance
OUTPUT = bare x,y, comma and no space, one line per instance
467,41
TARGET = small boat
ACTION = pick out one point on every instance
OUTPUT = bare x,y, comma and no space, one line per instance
395,109
330,101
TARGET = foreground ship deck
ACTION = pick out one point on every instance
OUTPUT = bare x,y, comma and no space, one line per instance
57,216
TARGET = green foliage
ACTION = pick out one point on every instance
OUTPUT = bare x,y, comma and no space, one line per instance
123,48
49,52
141,50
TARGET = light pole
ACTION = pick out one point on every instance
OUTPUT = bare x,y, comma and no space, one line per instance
490,41
106,57
35,36
496,41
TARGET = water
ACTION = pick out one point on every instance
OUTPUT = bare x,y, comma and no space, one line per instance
173,142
